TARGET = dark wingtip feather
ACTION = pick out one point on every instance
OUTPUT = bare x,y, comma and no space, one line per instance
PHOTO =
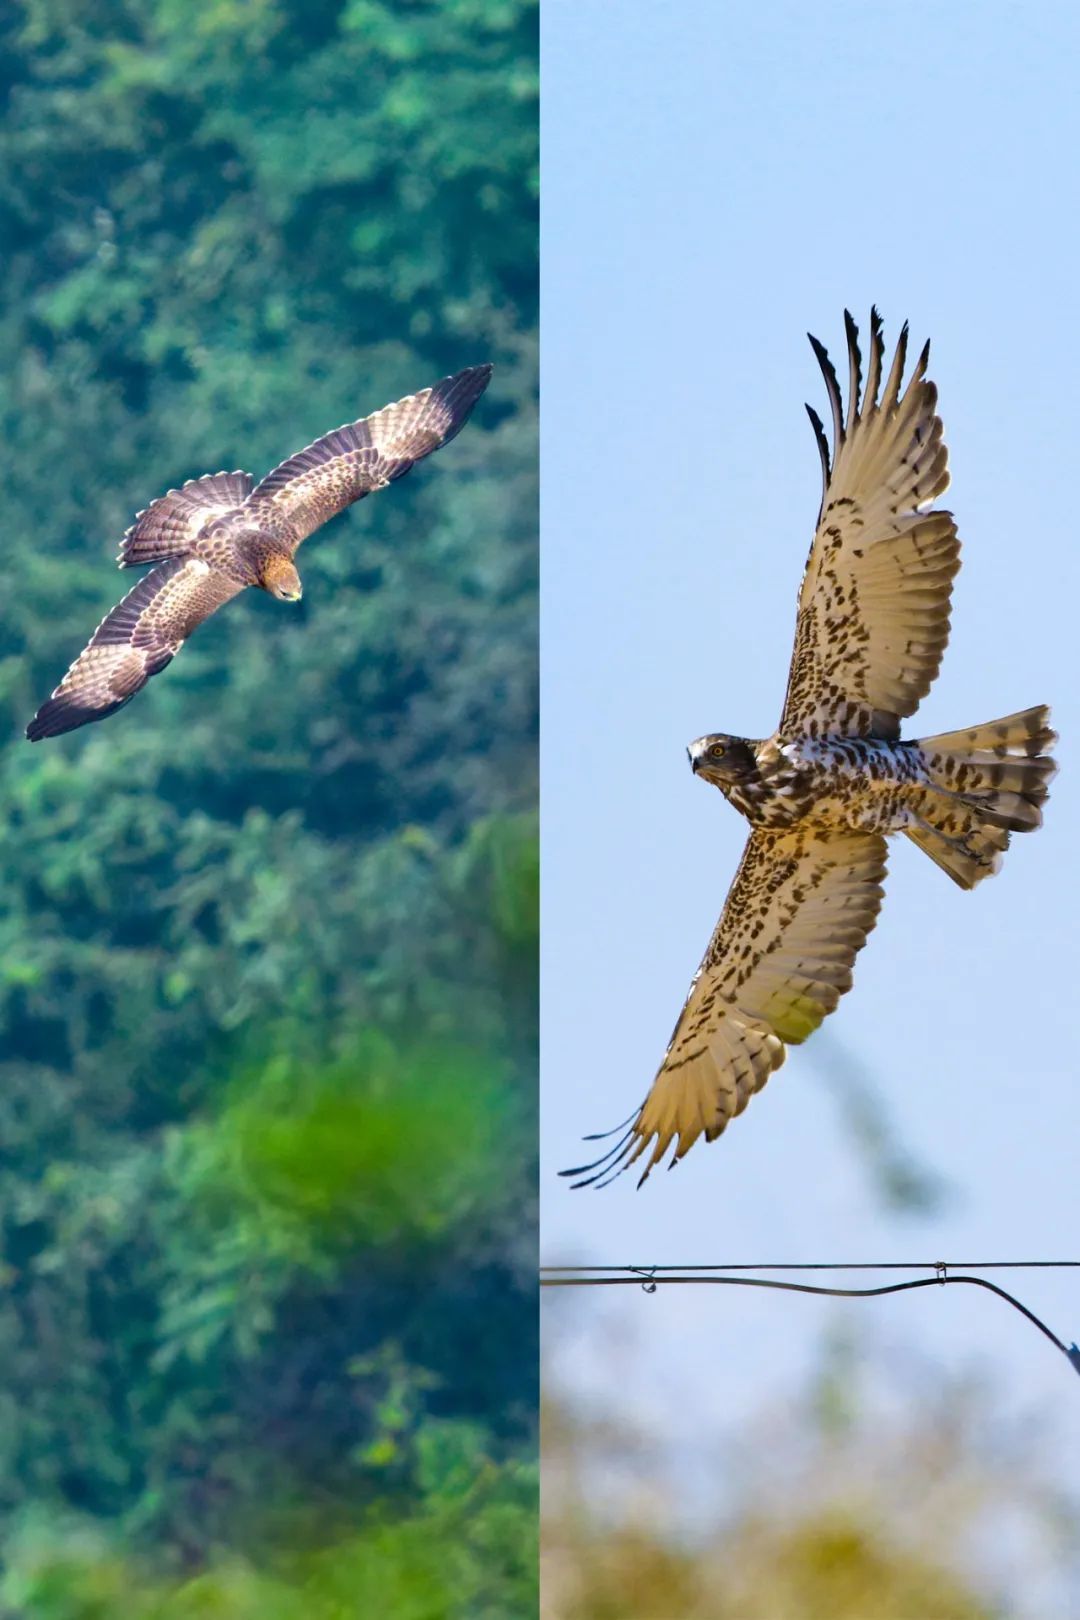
823,449
465,387
459,394
877,351
604,1159
58,715
602,1136
832,388
609,1165
896,371
821,354
851,332
54,717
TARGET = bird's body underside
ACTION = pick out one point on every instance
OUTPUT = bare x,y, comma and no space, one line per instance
222,534
957,796
835,780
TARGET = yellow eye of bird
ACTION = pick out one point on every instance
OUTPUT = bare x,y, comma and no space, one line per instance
717,750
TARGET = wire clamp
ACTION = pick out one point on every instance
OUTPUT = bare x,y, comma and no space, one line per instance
942,1270
648,1275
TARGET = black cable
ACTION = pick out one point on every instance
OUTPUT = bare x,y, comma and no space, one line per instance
846,1265
652,1277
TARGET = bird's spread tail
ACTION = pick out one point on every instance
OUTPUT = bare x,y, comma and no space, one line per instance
985,783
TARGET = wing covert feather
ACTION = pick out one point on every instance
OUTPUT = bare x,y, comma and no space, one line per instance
170,526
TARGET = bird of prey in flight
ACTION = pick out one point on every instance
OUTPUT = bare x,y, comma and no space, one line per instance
835,779
221,533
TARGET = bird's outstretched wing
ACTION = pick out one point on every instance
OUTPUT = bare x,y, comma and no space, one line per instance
873,615
801,906
343,466
170,526
136,640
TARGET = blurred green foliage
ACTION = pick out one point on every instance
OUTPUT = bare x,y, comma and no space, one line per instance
268,937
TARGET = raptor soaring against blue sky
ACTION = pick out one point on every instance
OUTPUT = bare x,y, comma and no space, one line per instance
835,779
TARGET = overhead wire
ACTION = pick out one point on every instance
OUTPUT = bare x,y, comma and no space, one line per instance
650,1278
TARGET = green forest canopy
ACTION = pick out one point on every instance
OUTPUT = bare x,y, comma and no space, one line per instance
267,937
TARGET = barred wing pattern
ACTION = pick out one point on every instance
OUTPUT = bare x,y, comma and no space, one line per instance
170,525
215,534
142,634
873,615
312,486
800,909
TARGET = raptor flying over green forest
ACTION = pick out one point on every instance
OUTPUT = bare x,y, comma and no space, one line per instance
219,534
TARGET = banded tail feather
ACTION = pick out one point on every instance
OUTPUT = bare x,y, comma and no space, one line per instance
985,783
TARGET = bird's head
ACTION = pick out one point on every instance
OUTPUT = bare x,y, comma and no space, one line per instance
280,578
722,760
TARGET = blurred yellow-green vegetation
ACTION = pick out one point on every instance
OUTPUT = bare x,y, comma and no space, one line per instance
268,1012
872,1494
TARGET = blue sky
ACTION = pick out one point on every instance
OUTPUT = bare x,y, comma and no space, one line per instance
718,179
